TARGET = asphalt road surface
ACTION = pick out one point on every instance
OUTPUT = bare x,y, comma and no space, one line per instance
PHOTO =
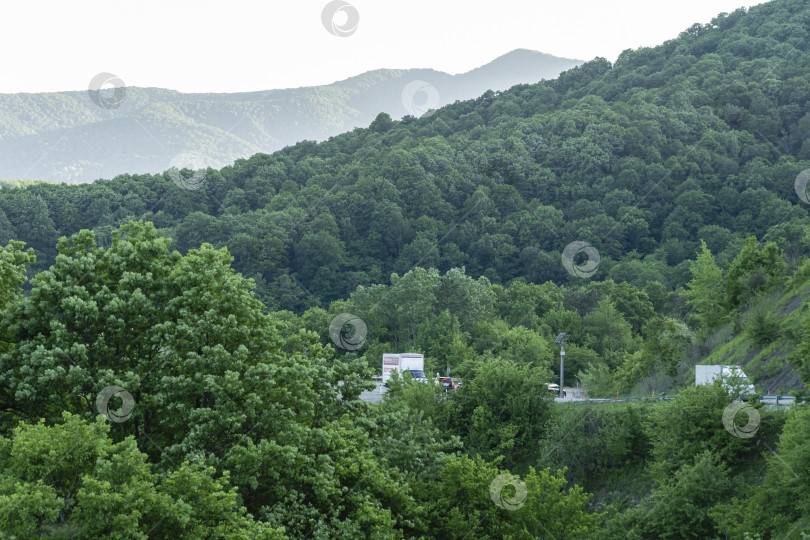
571,395
374,396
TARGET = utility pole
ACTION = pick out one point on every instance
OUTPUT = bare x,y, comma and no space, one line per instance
560,341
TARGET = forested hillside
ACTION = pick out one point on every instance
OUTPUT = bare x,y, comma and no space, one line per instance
700,138
66,136
205,300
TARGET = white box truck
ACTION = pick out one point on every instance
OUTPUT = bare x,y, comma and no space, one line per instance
733,374
411,362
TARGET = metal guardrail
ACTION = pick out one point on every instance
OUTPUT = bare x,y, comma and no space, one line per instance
778,400
620,400
769,400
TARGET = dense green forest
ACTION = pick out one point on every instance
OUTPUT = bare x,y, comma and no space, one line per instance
205,302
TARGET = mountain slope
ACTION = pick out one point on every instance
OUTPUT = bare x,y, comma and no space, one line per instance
699,139
66,137
683,168
766,339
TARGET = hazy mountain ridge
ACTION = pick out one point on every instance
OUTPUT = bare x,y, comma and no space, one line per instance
64,136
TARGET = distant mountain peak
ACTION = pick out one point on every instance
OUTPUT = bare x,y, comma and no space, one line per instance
531,53
521,66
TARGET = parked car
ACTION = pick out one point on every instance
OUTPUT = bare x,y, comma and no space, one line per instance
555,389
448,383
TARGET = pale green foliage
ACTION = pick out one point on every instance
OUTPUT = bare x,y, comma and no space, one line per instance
754,270
464,508
598,381
608,332
705,293
13,259
524,346
71,480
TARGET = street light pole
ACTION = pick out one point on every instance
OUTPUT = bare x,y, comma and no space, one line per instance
560,340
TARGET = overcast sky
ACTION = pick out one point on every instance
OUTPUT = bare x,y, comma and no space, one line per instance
241,45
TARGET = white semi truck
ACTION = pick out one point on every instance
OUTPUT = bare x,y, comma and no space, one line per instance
414,363
734,376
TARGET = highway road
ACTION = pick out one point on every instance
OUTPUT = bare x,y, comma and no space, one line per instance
374,396
576,395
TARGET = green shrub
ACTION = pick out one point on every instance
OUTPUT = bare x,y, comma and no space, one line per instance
761,327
